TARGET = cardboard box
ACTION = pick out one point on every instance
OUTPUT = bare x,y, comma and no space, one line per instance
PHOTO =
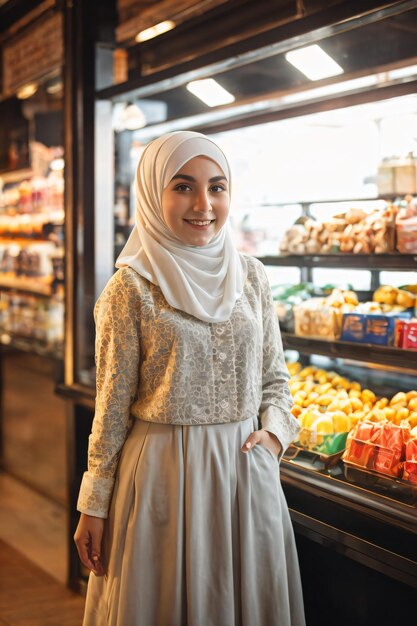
406,334
374,328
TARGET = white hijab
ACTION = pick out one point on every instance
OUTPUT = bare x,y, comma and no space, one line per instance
204,281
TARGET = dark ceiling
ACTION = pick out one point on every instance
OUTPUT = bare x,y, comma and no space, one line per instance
13,10
388,42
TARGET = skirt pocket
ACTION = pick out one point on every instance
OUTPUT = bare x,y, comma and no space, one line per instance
270,453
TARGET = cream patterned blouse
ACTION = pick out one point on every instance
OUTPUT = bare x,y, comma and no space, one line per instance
162,365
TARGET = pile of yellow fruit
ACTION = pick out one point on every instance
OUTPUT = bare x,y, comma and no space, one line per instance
328,403
392,296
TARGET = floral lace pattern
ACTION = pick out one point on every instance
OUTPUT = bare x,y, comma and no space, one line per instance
162,365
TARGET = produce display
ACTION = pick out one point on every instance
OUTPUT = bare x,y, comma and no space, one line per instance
341,316
329,407
382,231
381,447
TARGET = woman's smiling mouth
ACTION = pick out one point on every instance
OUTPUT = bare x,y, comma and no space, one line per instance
200,224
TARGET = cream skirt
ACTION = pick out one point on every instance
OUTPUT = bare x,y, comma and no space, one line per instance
198,534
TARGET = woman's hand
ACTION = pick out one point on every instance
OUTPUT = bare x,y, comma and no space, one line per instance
88,538
265,438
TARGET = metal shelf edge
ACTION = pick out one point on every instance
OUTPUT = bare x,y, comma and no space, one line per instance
396,357
404,262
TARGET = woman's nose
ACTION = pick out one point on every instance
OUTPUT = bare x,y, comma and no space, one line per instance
202,203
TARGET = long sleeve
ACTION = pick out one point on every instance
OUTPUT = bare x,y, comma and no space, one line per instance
275,411
117,366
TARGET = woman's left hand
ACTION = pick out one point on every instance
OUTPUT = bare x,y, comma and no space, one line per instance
265,438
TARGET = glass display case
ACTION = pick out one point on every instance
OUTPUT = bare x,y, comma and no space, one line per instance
299,150
32,229
306,159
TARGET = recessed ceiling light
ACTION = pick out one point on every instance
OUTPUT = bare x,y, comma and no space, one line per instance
54,86
27,91
210,92
314,62
154,31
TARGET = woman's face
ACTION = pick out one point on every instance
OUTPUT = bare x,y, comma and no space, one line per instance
196,202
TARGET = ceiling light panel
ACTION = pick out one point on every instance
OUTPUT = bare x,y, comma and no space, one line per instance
154,31
27,91
314,62
210,92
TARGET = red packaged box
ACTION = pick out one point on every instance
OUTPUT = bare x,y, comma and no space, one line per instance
410,465
360,448
379,446
391,449
409,336
406,334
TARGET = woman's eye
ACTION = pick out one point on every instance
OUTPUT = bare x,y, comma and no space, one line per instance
182,187
217,188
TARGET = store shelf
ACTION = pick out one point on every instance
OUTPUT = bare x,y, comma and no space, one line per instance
31,345
403,262
391,197
28,285
393,357
16,176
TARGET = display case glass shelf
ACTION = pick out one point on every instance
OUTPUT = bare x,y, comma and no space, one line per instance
403,262
381,355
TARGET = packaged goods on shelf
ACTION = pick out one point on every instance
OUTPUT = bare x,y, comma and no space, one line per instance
32,317
397,175
378,446
285,297
28,260
314,319
371,327
406,334
322,317
410,464
33,226
31,254
354,232
406,226
39,194
376,322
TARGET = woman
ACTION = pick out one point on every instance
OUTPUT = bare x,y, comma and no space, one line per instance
189,365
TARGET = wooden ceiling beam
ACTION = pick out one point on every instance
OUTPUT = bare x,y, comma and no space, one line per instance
178,11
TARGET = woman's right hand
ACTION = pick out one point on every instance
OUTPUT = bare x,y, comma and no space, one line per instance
88,538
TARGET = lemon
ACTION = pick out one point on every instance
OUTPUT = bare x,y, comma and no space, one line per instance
323,425
341,422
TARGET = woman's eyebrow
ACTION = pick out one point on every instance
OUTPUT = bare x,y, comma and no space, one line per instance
215,179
